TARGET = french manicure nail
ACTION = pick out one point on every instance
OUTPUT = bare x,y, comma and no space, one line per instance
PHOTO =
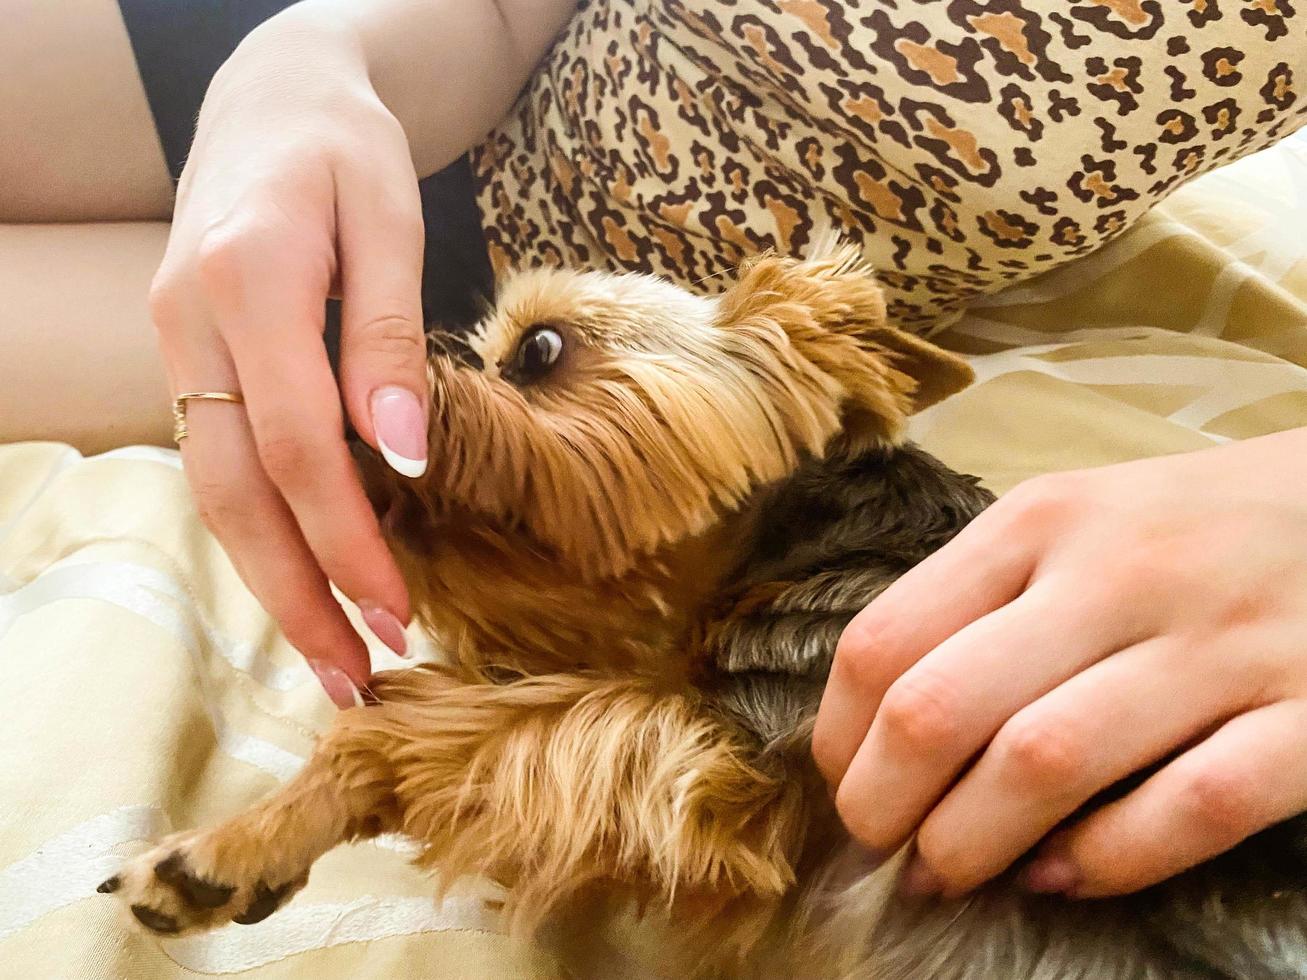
401,429
337,684
388,629
919,880
1050,874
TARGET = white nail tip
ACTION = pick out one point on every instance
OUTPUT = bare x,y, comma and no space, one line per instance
403,465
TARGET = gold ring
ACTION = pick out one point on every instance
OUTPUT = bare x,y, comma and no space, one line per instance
179,408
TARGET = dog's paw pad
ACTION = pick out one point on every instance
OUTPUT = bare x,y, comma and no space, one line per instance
156,921
170,893
266,901
177,888
194,890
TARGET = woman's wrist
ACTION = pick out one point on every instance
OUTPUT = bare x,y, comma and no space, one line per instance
447,70
296,42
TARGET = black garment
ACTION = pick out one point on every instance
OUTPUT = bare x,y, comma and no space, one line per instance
180,44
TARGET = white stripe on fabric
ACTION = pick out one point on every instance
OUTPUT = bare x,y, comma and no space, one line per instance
136,588
132,587
69,457
66,868
300,927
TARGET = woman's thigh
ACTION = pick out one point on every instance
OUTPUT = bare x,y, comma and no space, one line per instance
78,358
79,141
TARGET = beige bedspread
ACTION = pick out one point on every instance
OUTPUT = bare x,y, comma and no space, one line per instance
145,690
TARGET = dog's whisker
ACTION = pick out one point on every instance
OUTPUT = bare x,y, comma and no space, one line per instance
710,277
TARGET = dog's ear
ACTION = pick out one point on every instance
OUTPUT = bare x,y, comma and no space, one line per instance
833,314
936,373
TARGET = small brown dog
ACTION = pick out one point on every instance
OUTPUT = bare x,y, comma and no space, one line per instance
650,516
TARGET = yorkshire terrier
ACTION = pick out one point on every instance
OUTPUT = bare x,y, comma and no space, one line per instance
649,518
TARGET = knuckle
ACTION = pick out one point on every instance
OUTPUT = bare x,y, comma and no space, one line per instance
921,713
859,820
864,652
1045,753
288,456
220,255
943,858
1150,565
1243,604
164,299
1223,804
394,337
1044,502
241,246
220,505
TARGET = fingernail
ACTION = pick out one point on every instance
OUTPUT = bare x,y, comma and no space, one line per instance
918,880
388,629
1050,874
337,684
401,430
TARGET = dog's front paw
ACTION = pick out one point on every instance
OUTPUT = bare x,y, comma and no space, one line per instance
171,890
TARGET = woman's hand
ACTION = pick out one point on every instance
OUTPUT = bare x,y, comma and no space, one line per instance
299,183
1086,626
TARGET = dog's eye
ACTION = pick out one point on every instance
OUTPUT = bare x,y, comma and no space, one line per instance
536,354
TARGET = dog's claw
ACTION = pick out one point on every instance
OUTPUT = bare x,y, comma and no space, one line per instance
155,920
109,885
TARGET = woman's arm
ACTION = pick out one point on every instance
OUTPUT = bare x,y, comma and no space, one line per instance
302,181
448,70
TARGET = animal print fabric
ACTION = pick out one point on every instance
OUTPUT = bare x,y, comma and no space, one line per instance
964,143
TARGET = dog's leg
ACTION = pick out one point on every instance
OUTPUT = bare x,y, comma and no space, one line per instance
553,783
244,869
548,784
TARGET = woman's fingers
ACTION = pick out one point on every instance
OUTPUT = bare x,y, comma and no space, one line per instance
943,710
1167,622
976,573
268,302
244,510
1098,727
250,518
1251,773
383,364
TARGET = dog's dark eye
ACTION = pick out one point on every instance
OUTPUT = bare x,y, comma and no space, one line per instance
537,352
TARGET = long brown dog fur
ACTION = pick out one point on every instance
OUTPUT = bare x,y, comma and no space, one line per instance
640,561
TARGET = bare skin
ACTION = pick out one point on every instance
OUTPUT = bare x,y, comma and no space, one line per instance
88,150
84,359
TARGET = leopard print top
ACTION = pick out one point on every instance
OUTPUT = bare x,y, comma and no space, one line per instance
964,143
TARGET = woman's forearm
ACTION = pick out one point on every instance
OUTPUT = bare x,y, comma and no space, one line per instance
447,69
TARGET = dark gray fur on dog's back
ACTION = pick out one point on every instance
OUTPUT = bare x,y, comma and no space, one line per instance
828,541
